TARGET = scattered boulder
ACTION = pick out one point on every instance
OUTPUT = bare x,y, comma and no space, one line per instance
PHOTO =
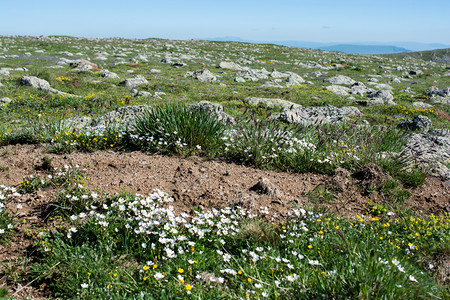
83,65
4,71
43,85
421,123
122,117
254,74
378,98
294,79
230,65
239,79
178,64
359,88
383,86
144,94
134,82
441,100
318,115
431,150
271,103
4,101
340,79
439,95
109,75
271,84
204,75
276,74
415,71
35,82
213,108
338,90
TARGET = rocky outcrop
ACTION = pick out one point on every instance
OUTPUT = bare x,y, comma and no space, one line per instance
230,65
318,115
212,108
340,79
109,75
43,85
134,82
202,75
421,123
271,103
431,150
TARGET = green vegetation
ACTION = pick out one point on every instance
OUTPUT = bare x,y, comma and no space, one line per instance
107,246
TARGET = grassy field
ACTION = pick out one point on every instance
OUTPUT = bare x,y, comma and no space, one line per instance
100,245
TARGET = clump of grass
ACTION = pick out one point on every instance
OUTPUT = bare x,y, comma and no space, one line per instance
177,129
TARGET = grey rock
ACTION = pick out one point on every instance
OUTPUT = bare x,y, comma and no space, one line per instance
276,74
4,71
431,151
213,108
418,123
178,64
35,82
5,100
340,79
158,94
121,117
415,71
254,74
434,91
338,90
83,65
373,102
109,75
294,79
204,75
144,94
441,100
239,79
383,86
155,71
317,115
271,103
358,88
134,82
230,65
440,132
166,60
384,95
271,84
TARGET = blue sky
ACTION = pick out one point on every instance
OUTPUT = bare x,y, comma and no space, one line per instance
314,20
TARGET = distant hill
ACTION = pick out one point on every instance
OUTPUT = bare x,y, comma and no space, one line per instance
351,47
364,49
438,55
